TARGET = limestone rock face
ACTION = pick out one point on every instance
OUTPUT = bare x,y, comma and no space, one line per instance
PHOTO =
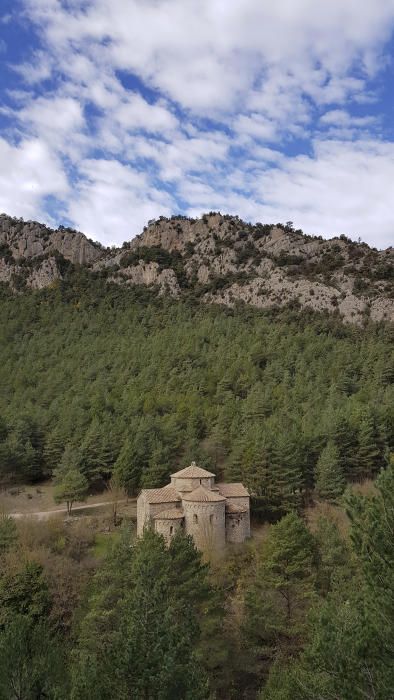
44,275
29,242
149,274
219,259
228,261
29,239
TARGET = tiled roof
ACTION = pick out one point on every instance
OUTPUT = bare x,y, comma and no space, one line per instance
201,494
233,509
172,514
193,472
167,494
232,490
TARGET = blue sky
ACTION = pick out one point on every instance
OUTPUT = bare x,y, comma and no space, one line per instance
113,113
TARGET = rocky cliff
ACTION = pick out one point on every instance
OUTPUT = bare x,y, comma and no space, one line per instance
218,259
30,252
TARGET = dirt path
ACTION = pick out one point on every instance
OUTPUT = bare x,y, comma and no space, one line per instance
46,514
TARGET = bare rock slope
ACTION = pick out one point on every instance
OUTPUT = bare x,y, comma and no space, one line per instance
217,259
31,253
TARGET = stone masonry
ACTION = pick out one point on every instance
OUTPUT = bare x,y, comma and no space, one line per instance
213,514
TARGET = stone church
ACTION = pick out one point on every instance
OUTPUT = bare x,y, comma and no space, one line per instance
213,514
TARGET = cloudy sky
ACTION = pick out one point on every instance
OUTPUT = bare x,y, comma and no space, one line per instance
113,112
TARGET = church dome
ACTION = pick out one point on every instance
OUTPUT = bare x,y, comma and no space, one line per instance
193,472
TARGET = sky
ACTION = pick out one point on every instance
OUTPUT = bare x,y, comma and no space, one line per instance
114,112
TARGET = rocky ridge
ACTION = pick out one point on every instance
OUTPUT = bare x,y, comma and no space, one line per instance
217,259
31,253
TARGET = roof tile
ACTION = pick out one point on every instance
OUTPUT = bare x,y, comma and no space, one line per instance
172,514
232,490
201,495
167,494
193,472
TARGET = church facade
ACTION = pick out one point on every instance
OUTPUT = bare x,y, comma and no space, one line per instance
214,514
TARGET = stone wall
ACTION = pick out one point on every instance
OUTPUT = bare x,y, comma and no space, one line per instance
141,514
168,528
237,527
146,511
205,521
244,502
189,484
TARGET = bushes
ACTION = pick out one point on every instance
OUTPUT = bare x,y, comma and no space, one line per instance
164,258
6,253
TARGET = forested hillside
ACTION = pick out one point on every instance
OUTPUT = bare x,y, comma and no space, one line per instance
139,384
98,379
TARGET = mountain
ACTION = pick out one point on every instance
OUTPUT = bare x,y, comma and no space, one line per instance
218,259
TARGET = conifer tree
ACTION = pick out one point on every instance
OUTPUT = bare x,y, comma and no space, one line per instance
330,482
350,651
286,473
279,594
368,458
32,661
150,652
345,438
53,450
70,483
157,472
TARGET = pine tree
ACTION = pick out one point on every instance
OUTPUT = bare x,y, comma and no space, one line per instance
349,653
286,478
157,472
92,465
53,450
70,483
32,663
334,561
280,592
368,458
345,438
330,482
150,652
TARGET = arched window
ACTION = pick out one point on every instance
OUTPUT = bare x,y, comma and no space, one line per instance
211,519
171,529
195,518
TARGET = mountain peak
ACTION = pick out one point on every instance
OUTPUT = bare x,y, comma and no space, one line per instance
218,259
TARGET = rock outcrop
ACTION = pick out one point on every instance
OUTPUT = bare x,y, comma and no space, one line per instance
218,259
28,252
29,239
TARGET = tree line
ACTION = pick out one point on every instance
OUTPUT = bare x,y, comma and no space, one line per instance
100,379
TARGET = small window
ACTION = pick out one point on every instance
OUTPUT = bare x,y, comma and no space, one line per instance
171,529
211,519
195,519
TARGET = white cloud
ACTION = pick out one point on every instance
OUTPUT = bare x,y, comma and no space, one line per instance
343,188
339,117
217,91
39,68
29,172
137,113
207,55
59,114
256,126
114,202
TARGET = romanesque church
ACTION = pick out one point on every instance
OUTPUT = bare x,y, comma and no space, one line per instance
213,514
